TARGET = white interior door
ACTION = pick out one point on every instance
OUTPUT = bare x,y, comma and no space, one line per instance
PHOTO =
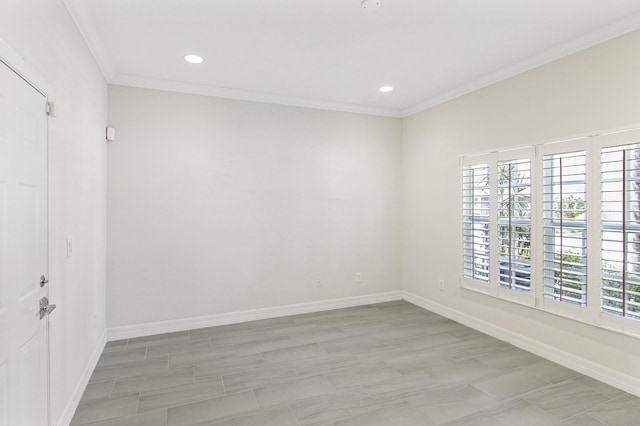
24,357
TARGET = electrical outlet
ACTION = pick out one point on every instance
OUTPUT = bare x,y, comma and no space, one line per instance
441,285
358,277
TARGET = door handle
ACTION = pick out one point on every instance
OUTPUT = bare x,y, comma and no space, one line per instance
45,307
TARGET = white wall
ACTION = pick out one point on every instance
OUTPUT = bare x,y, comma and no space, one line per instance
219,206
595,89
43,34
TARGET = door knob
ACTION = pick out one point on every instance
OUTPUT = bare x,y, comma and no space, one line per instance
45,307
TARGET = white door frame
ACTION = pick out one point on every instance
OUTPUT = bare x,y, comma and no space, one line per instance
14,61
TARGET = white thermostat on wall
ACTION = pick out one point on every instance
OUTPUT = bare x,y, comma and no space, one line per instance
111,134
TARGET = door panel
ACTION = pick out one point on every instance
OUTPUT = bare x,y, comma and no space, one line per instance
31,409
23,252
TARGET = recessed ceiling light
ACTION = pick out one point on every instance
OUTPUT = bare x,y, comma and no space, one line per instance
385,89
193,59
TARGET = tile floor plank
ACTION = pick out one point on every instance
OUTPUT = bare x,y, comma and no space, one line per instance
621,411
293,390
180,394
565,399
151,418
104,409
275,417
211,410
166,378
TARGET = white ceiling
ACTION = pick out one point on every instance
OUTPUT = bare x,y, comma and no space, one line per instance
332,54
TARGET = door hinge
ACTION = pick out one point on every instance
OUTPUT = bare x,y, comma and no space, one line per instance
50,109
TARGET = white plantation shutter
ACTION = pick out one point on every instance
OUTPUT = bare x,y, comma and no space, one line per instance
514,223
475,220
565,227
620,227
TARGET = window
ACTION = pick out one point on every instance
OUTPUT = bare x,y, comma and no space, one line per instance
476,222
514,224
565,227
620,223
556,226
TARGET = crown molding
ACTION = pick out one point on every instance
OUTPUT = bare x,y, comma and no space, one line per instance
245,95
606,33
78,12
80,15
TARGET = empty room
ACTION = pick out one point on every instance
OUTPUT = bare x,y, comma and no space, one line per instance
331,213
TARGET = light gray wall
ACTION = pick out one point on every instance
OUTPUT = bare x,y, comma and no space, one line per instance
43,34
595,89
219,206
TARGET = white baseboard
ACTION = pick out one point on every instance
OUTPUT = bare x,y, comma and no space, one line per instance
183,324
599,372
74,400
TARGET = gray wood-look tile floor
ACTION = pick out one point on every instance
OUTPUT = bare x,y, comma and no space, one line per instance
386,364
